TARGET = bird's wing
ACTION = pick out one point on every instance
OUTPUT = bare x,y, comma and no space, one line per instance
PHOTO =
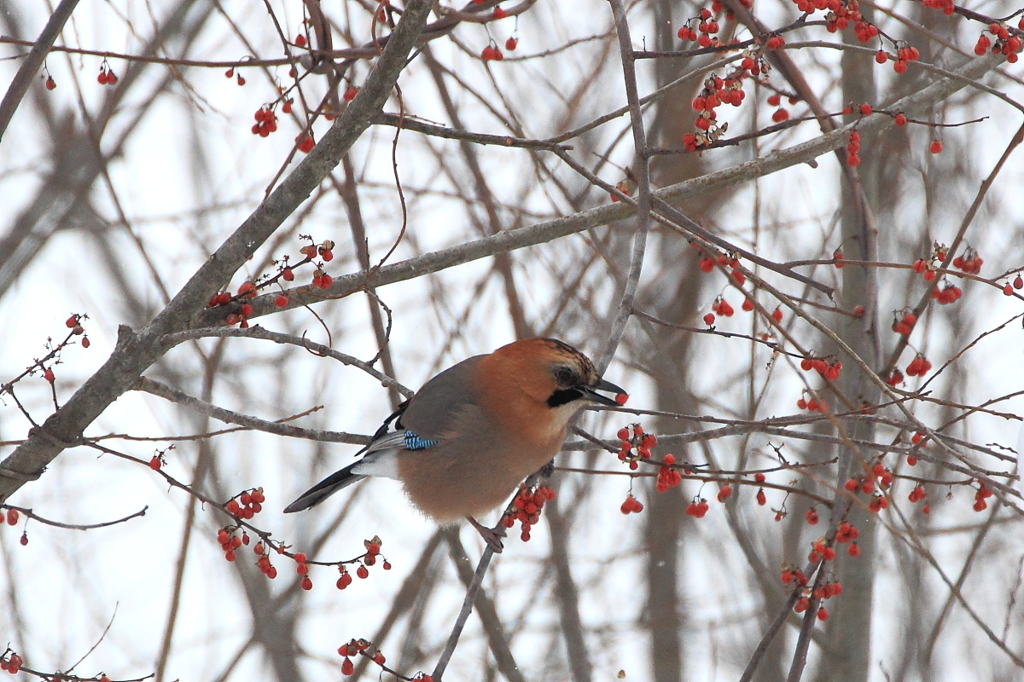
434,412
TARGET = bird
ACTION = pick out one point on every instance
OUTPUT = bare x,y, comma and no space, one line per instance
466,440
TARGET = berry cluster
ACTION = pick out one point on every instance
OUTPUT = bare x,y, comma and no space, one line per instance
918,494
106,75
979,497
919,366
304,142
720,306
11,663
286,272
970,262
706,28
947,293
697,508
716,92
248,504
829,368
491,53
631,437
354,648
631,505
266,121
904,55
668,475
526,508
1018,283
812,405
229,542
852,149
903,322
230,73
1005,44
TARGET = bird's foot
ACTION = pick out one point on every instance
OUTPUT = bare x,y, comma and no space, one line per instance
492,536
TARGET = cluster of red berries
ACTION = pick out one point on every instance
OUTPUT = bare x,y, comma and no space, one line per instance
852,149
781,114
904,55
697,508
794,576
919,366
821,593
979,497
74,323
840,14
12,663
877,504
866,484
821,551
229,542
846,532
1008,45
266,121
722,307
668,475
946,6
716,92
246,291
947,293
248,504
231,73
631,437
903,322
895,379
1018,283
263,560
917,494
927,268
706,27
775,42
812,405
491,53
761,498
812,516
707,263
302,568
970,262
106,75
631,505
526,508
304,142
354,648
829,368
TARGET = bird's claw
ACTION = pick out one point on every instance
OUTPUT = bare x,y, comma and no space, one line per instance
492,536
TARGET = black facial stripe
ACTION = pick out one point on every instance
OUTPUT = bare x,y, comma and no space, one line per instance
563,396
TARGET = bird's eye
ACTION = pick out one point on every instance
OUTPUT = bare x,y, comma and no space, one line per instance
565,376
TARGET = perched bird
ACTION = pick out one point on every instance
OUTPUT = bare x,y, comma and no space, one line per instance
465,441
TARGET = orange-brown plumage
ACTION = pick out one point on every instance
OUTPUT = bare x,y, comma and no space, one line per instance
469,437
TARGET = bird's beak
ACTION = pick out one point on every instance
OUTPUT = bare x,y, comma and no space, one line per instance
590,392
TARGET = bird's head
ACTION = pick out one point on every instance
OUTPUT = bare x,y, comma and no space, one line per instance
557,374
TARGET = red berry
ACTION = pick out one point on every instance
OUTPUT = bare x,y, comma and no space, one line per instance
881,57
306,584
511,44
281,301
155,463
709,320
346,666
936,147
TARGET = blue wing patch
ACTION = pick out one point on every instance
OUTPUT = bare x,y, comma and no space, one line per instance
414,442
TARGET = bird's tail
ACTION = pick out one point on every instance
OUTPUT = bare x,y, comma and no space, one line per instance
324,489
